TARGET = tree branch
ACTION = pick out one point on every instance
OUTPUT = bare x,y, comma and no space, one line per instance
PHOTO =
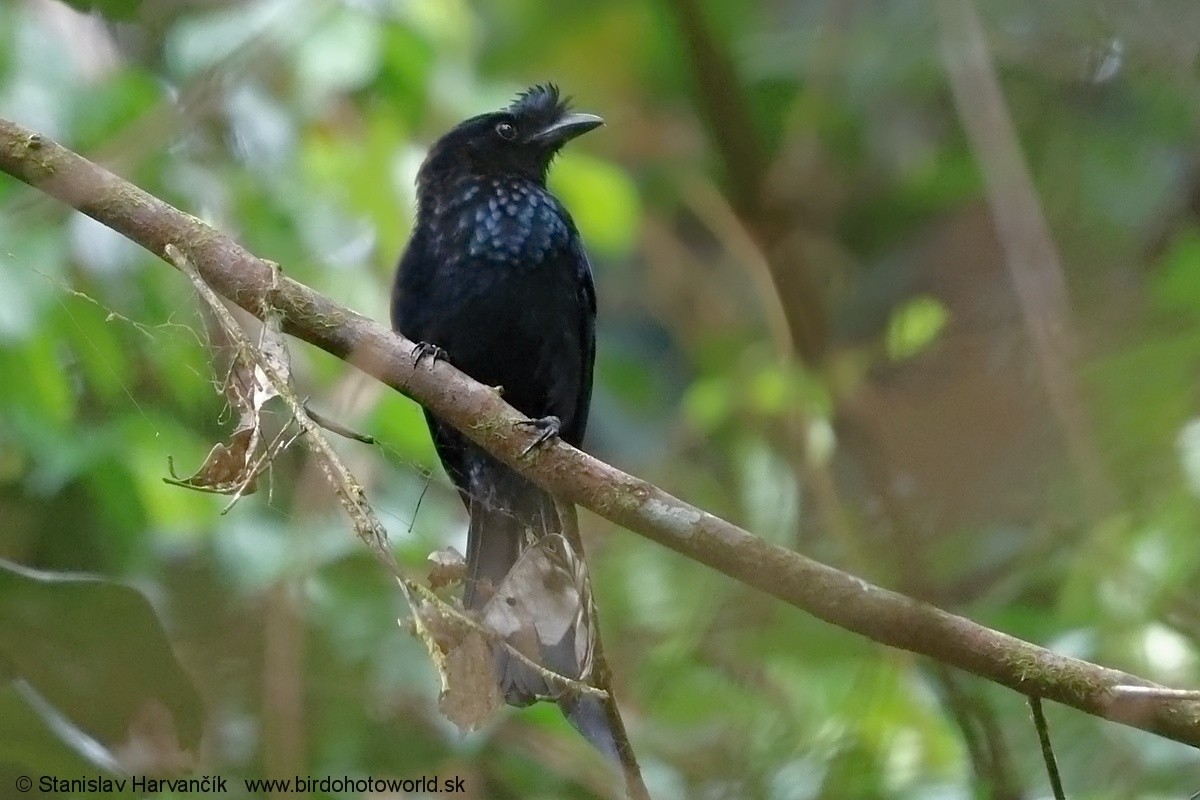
1030,252
725,109
830,594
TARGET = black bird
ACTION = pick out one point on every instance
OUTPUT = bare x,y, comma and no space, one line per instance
495,280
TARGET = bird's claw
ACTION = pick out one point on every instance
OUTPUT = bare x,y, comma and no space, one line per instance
424,350
547,428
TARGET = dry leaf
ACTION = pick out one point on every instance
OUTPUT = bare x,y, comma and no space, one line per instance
233,467
471,695
447,567
224,470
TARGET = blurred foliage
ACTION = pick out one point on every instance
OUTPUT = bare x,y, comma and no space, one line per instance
747,144
66,646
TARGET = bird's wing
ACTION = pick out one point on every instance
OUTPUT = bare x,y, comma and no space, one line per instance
587,336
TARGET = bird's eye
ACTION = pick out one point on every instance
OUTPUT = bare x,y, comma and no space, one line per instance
506,130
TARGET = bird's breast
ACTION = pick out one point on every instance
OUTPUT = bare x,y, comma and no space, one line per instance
513,223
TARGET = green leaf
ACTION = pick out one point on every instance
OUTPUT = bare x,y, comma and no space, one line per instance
603,201
112,9
95,651
111,106
709,403
1177,284
915,326
344,53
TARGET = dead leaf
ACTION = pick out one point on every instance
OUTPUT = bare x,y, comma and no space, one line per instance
444,627
471,695
275,356
447,567
233,467
224,470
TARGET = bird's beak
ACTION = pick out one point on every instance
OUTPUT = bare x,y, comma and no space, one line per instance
566,128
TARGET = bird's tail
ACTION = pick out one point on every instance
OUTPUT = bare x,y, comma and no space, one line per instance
588,716
532,588
508,513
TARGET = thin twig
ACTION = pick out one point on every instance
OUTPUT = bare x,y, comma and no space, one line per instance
1043,732
635,785
333,426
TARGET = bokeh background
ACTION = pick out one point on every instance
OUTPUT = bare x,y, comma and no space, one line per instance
913,288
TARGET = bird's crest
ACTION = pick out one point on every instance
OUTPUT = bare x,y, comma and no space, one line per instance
542,101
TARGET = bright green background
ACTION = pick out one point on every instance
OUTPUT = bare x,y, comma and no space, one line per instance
921,453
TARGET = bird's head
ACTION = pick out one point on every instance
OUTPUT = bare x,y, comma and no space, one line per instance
519,140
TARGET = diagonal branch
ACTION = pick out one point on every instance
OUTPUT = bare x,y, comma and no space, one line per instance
726,111
830,594
1030,252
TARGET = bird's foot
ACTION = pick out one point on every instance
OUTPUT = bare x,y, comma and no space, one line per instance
547,428
424,350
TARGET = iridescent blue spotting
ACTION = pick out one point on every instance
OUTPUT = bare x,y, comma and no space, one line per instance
513,222
521,224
